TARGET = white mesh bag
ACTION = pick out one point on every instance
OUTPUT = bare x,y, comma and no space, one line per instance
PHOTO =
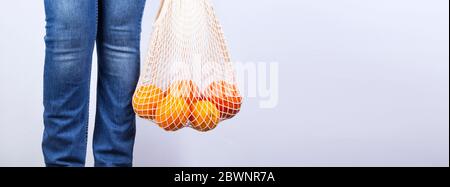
188,79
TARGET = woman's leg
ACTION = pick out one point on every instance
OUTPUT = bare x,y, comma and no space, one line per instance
70,37
118,46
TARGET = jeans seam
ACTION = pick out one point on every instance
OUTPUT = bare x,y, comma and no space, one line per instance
140,18
89,79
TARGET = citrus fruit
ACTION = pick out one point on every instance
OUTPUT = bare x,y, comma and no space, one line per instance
145,100
172,113
204,116
226,97
184,89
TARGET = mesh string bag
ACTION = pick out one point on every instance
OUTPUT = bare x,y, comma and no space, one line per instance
188,79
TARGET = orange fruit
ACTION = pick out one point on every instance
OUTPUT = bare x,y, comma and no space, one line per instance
204,116
146,99
172,113
185,89
226,97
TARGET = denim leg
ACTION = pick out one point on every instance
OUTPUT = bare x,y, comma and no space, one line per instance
118,46
70,38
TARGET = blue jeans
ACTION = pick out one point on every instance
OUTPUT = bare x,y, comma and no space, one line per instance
72,29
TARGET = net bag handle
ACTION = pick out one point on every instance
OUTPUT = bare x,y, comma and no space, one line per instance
160,11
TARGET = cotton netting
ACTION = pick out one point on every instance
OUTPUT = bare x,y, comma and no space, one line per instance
188,78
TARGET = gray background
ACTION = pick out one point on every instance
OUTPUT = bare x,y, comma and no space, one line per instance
362,83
